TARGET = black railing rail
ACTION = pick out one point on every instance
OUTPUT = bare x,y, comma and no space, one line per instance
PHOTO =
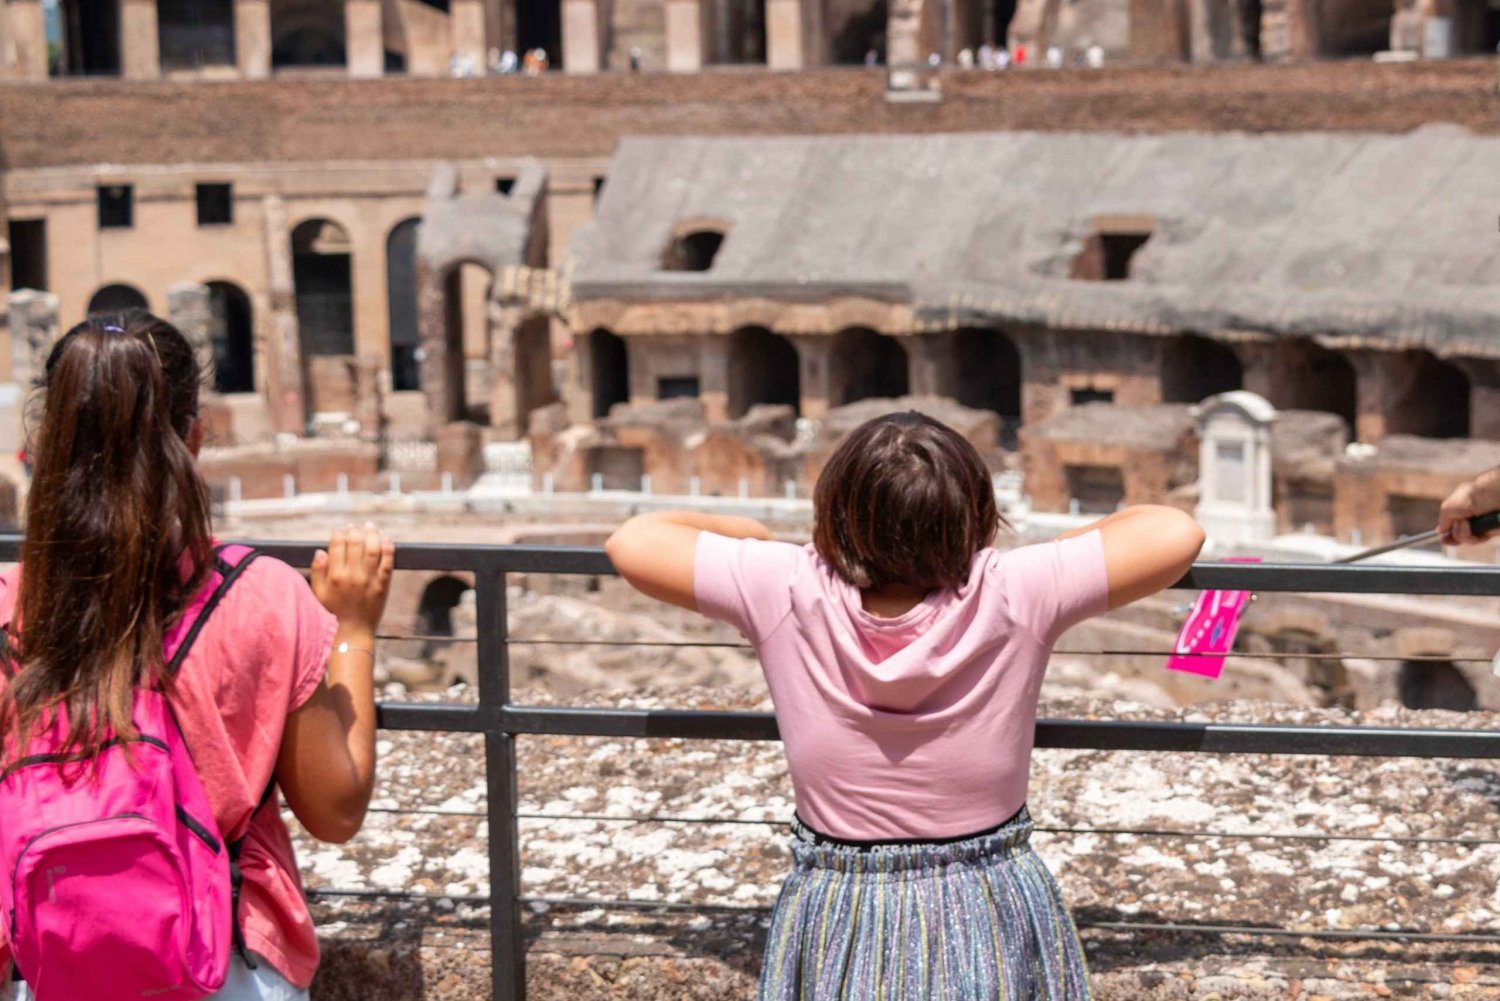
501,721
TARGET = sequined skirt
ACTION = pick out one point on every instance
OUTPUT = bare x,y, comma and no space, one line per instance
969,920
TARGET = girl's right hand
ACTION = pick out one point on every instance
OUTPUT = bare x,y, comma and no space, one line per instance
352,578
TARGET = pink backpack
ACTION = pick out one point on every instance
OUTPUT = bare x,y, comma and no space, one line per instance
116,883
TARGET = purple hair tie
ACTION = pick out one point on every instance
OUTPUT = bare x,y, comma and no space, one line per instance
110,328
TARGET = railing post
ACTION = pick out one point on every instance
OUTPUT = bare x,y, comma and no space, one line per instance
507,941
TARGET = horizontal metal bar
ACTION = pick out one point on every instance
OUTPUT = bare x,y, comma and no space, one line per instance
1106,735
1307,577
1335,934
373,894
440,717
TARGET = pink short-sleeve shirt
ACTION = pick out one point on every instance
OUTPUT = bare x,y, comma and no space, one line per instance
919,726
260,656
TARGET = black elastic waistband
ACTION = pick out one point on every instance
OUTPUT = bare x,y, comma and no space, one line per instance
818,838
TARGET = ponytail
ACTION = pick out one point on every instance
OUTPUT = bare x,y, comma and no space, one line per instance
117,529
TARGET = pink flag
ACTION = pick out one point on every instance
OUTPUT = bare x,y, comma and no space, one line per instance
1208,634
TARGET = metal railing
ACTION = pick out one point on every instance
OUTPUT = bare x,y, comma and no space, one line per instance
500,721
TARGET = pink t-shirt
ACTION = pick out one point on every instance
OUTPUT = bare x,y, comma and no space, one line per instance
260,655
919,726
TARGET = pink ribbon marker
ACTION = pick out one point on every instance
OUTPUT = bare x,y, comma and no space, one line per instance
1209,632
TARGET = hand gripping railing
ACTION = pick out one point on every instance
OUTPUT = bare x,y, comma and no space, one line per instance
500,721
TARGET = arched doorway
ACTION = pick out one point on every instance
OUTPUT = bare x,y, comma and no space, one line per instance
1435,684
539,26
987,373
117,298
856,28
307,33
742,32
466,329
435,614
609,371
763,368
866,365
1427,397
1307,376
323,283
90,38
193,34
694,251
1195,368
401,305
233,333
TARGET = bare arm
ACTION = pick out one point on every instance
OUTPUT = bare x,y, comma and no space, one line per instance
1147,548
655,551
1480,495
327,763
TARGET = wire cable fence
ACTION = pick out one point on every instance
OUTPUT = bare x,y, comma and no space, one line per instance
500,721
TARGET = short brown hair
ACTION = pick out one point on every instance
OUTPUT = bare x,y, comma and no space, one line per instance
904,499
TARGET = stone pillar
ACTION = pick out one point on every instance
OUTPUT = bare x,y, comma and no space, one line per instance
442,366
140,52
188,310
784,35
714,376
460,451
34,329
28,39
684,36
581,36
252,38
468,35
1373,386
286,390
370,382
930,364
364,41
815,356
1234,463
505,418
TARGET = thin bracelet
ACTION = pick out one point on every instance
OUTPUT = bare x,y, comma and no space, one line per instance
346,648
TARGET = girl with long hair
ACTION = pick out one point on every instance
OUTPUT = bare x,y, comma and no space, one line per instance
276,691
904,657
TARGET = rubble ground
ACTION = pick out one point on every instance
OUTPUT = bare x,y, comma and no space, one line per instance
1310,845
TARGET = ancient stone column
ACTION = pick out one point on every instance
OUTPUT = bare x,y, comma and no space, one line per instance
34,329
1484,396
442,364
930,364
252,38
684,36
581,36
714,376
504,323
814,354
364,42
1373,377
140,53
370,381
27,40
784,34
285,389
460,451
468,35
189,311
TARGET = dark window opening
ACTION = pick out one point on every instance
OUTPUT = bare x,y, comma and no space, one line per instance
435,609
764,368
1004,13
394,62
323,286
91,38
505,185
693,252
116,206
858,31
866,365
988,377
307,33
1431,398
598,189
1435,684
233,336
1081,397
401,301
1195,368
609,364
441,5
1096,489
539,26
1106,257
195,33
28,254
677,387
215,204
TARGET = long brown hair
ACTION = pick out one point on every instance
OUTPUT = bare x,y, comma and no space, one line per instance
117,528
904,499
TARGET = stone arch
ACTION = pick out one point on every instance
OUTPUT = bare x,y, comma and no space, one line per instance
864,365
609,371
1194,368
323,284
1435,684
232,331
117,297
987,373
764,368
192,34
694,249
91,38
307,33
435,608
401,305
1427,397
1308,376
